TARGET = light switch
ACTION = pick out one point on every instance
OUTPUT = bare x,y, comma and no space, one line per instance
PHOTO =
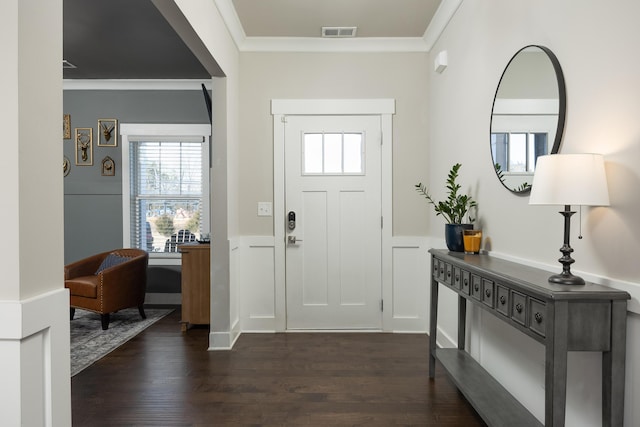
264,209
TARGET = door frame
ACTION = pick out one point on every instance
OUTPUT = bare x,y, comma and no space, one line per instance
280,108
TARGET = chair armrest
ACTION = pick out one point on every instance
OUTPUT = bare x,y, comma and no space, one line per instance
124,283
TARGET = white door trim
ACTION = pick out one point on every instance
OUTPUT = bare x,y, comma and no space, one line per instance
280,108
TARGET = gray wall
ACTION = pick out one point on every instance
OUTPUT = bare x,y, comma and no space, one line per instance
92,202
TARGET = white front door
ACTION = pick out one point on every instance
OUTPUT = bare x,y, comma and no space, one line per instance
333,197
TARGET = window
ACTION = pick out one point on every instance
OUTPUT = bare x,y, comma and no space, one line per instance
165,186
517,152
333,154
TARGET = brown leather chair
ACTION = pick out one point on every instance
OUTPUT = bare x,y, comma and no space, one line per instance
108,282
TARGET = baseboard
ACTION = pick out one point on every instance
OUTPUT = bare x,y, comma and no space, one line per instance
443,340
224,340
162,299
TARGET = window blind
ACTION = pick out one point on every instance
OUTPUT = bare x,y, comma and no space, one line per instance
166,194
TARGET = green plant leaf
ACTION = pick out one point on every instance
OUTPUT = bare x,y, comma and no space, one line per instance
456,206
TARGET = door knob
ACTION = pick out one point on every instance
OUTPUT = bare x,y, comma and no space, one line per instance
292,240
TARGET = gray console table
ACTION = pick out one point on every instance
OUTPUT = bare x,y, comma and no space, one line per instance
562,318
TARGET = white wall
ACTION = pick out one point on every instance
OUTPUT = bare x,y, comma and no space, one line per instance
207,23
594,42
27,82
34,323
399,76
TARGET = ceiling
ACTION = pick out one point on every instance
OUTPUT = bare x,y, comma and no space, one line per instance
305,18
123,39
130,39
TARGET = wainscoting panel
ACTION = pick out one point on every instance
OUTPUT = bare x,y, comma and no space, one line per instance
225,339
257,284
34,343
234,291
410,287
406,305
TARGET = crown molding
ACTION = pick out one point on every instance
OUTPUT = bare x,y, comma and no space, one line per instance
313,44
441,18
134,84
232,21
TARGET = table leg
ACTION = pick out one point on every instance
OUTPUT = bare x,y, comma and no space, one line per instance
613,368
462,321
433,327
556,364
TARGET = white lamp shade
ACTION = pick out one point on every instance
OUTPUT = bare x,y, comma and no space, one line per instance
569,179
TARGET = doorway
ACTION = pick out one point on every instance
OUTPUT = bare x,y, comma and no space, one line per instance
332,177
333,211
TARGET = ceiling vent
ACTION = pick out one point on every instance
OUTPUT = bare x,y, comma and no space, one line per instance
67,64
339,31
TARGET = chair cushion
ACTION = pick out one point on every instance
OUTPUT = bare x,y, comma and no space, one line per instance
110,261
83,286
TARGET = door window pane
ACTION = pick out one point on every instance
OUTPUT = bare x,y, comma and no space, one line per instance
353,153
333,154
313,153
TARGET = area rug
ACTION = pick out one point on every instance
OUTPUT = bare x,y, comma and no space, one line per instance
89,342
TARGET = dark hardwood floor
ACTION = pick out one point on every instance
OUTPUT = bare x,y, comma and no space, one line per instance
163,377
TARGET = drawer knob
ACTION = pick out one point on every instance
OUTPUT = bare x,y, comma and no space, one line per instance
538,317
503,300
448,274
519,308
466,282
457,278
487,292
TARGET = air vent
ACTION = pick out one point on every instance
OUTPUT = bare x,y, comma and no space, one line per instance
67,64
339,31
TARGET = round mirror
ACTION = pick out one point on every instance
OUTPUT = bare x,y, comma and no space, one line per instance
527,119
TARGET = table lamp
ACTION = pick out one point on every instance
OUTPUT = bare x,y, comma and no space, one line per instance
569,179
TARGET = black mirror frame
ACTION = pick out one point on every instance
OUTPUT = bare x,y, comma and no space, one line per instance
562,108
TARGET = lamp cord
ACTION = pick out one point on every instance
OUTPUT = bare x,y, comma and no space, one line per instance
580,226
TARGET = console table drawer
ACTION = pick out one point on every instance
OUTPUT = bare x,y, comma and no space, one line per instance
448,274
476,287
519,307
443,272
457,278
438,269
466,282
488,292
537,312
502,300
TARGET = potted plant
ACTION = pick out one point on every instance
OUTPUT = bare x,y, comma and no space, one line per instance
453,209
